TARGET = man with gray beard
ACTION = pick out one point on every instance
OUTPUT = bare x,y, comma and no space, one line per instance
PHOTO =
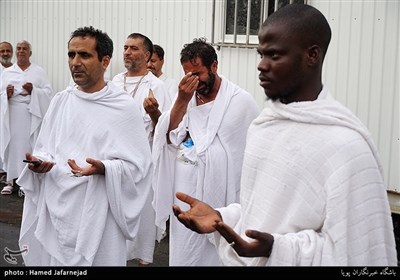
6,53
140,83
25,95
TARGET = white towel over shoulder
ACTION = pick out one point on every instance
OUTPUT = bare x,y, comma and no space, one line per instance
312,177
87,220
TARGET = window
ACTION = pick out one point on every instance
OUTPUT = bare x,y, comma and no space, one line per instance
239,20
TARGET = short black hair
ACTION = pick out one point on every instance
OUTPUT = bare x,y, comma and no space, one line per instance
104,44
159,51
199,48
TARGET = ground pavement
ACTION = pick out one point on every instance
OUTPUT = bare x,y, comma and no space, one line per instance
10,222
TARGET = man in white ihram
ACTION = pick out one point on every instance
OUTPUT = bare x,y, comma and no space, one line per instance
6,53
312,190
84,199
140,84
155,65
198,148
24,98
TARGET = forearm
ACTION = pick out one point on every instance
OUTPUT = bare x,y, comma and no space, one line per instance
154,116
177,112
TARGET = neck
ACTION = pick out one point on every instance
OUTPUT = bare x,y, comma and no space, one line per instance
6,65
24,66
213,94
95,88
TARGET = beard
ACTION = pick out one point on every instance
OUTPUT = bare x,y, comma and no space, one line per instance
208,85
132,65
5,60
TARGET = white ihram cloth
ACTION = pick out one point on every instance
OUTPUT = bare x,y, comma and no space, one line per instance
21,115
143,246
171,85
1,120
149,81
218,130
83,221
312,177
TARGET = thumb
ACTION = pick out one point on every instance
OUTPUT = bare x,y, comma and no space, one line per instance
92,161
185,198
28,156
151,93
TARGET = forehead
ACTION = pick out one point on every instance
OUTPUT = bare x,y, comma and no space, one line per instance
82,43
273,31
194,64
155,56
276,34
5,46
22,46
134,42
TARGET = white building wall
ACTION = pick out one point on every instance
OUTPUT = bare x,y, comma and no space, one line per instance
361,68
47,25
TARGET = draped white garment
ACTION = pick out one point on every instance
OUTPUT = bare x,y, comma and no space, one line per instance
143,246
172,86
83,221
21,115
219,140
312,177
150,81
1,120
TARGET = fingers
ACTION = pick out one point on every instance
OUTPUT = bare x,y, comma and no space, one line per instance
263,244
150,104
184,218
92,161
192,83
180,215
228,233
259,235
176,210
255,234
151,93
75,169
42,167
97,166
72,164
28,156
189,83
185,198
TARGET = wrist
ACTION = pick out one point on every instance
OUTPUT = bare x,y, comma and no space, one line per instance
219,215
272,240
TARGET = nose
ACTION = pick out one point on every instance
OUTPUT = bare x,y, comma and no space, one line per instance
264,65
76,60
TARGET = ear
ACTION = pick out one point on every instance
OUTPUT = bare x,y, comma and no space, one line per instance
106,61
314,55
214,67
148,56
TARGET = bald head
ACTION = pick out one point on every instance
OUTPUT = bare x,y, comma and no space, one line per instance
304,21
